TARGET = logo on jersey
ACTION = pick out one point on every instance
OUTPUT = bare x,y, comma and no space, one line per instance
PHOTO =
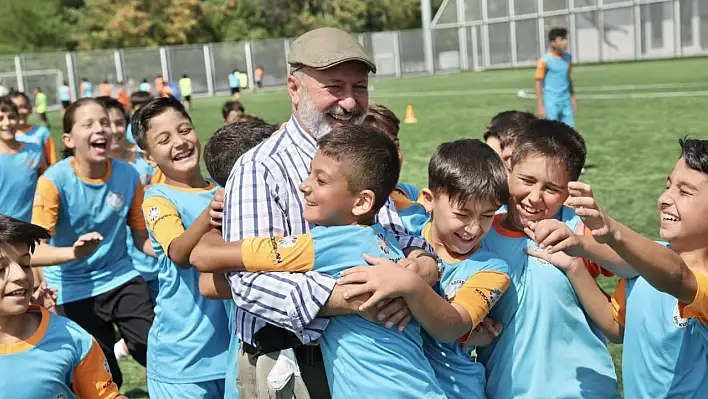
287,242
494,295
383,245
37,197
451,289
32,163
60,396
115,200
153,214
679,321
539,260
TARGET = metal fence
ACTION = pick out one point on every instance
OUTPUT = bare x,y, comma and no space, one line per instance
466,35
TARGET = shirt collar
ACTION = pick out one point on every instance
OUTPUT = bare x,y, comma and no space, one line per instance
300,137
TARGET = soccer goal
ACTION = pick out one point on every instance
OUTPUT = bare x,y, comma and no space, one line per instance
49,80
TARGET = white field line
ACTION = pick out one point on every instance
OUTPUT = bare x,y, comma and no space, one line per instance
619,96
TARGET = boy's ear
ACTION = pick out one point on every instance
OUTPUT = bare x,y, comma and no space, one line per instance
364,203
146,156
67,140
426,199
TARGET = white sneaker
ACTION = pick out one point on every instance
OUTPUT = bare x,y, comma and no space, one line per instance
120,349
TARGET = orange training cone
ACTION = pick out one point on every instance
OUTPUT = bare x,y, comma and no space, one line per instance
410,116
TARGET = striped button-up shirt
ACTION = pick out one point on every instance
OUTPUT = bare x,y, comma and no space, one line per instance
262,199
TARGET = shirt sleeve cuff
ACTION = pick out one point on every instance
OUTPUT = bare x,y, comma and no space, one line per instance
307,298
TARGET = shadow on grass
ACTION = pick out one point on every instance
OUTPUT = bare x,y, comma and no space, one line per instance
136,394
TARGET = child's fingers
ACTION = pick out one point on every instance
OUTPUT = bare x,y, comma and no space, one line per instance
561,246
372,302
375,261
543,255
394,312
582,202
581,187
353,270
358,289
530,233
555,237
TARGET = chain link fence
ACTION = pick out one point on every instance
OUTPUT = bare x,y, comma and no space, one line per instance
466,35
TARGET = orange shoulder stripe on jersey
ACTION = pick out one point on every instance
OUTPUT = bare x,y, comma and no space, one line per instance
45,208
480,292
50,151
162,218
619,302
400,200
698,308
541,68
279,254
594,269
135,213
158,177
92,377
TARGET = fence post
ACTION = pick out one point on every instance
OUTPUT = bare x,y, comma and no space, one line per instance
18,74
427,18
208,68
512,34
118,59
164,64
397,53
462,36
638,28
678,47
71,71
572,28
249,62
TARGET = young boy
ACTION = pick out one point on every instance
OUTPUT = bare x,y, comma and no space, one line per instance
20,166
86,88
64,96
33,133
555,96
661,316
231,111
467,182
41,354
137,100
188,342
352,173
122,96
502,130
542,318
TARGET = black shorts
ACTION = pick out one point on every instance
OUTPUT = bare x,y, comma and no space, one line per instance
65,104
235,90
258,83
188,98
129,307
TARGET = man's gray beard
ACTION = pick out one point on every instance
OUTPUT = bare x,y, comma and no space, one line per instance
316,122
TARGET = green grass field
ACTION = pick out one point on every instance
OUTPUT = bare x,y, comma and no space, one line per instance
632,142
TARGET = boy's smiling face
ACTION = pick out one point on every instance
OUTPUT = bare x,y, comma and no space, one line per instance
16,279
538,187
173,145
8,125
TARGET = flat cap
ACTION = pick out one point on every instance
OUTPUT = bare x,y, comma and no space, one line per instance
324,48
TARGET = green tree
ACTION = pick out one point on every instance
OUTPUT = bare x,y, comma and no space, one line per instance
35,25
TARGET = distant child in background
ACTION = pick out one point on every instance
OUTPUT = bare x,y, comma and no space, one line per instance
33,133
235,85
86,201
231,111
42,353
145,86
21,164
243,80
137,100
105,89
40,106
64,96
258,77
159,85
185,88
86,88
554,89
502,130
190,338
122,97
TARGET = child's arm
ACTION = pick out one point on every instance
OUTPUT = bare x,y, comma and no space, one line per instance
164,221
214,286
91,379
540,75
214,255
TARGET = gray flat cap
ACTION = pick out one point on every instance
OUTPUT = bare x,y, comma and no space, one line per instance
324,48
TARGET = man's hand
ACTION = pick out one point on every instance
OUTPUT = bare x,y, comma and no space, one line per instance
582,199
485,333
216,208
86,244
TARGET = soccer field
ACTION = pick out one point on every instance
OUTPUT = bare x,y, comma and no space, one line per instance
631,115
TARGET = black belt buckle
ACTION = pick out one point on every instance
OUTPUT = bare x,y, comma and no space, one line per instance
271,339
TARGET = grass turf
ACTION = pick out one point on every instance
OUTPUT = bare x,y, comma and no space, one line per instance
632,142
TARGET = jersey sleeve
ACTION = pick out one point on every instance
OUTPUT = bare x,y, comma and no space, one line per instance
45,209
698,308
163,220
294,253
619,302
136,221
50,151
480,292
92,377
541,69
594,269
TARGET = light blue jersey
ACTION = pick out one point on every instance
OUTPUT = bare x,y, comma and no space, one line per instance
129,136
145,86
234,82
36,134
230,383
555,73
87,89
411,191
64,93
362,359
18,180
85,205
189,338
665,353
549,347
146,265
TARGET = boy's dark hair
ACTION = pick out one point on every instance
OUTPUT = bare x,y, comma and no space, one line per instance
507,125
231,106
112,103
6,105
369,159
14,231
556,33
384,120
467,170
552,139
68,119
140,121
16,94
139,98
231,141
695,153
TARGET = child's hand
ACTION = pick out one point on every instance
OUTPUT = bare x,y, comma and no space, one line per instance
45,297
553,236
582,199
485,333
216,208
542,114
86,244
